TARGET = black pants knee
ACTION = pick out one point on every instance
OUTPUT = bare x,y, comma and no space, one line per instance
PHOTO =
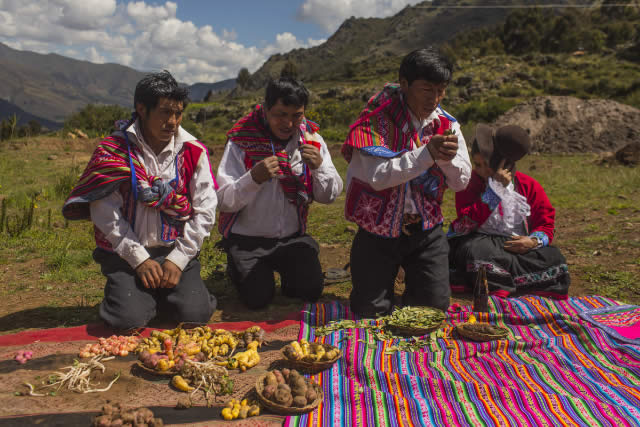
252,261
128,304
375,262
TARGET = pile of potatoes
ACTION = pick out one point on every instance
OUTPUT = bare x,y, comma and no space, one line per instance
116,415
288,388
167,349
309,352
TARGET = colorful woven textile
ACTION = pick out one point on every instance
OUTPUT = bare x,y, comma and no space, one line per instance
621,322
253,136
555,369
109,167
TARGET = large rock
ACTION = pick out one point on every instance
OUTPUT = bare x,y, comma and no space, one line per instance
563,124
629,154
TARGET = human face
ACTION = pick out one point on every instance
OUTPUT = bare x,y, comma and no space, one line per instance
481,166
422,96
284,120
161,123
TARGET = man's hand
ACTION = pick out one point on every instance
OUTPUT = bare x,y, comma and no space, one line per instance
311,156
150,272
502,175
443,147
520,244
265,169
171,275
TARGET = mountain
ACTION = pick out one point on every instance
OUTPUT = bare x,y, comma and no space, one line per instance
198,91
53,86
360,42
7,109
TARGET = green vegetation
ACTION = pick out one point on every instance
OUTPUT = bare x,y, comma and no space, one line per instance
96,120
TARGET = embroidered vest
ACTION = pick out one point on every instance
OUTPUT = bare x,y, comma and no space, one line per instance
384,129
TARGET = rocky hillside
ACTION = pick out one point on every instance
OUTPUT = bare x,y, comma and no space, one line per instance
563,124
361,43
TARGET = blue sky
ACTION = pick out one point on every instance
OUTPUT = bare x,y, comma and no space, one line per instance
197,40
255,21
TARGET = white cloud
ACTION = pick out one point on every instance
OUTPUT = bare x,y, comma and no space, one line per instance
329,14
94,56
138,34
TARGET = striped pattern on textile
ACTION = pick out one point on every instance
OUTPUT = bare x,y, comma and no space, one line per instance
108,168
384,122
555,369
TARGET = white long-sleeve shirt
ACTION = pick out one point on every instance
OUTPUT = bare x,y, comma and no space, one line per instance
264,209
383,173
131,243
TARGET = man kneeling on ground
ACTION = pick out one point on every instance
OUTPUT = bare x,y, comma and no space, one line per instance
274,165
150,193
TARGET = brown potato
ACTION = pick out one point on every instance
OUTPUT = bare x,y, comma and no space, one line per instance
299,401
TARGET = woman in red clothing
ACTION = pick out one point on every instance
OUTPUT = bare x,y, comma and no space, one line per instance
505,222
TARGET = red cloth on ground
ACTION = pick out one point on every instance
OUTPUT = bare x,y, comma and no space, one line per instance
93,331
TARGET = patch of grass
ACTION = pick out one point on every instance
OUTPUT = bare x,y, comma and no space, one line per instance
621,285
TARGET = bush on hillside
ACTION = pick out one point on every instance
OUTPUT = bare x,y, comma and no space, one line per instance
96,120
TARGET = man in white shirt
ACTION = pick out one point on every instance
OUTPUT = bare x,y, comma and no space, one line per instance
403,152
274,165
150,193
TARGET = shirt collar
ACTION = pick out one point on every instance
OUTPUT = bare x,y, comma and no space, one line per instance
175,145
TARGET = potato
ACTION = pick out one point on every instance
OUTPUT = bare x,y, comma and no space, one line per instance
270,379
269,391
299,401
311,394
283,397
284,387
285,373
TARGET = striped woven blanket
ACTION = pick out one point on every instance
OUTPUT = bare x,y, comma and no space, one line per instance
554,369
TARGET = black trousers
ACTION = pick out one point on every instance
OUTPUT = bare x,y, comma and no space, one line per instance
375,262
128,304
251,262
541,271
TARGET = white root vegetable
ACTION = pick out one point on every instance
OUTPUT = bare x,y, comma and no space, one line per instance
78,377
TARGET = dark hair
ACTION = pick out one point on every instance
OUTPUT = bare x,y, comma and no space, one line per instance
428,64
159,85
289,90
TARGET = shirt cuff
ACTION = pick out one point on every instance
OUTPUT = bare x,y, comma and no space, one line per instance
543,239
134,255
178,258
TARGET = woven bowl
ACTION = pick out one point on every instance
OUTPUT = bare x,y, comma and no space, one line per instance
414,332
305,366
287,410
482,331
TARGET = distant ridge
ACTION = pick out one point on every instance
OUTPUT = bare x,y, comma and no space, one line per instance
51,87
198,91
8,109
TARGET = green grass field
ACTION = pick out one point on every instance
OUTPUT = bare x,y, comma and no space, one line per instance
48,277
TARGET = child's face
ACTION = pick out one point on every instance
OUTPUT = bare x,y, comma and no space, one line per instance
422,96
481,166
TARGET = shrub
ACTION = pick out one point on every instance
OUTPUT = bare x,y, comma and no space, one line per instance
96,120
